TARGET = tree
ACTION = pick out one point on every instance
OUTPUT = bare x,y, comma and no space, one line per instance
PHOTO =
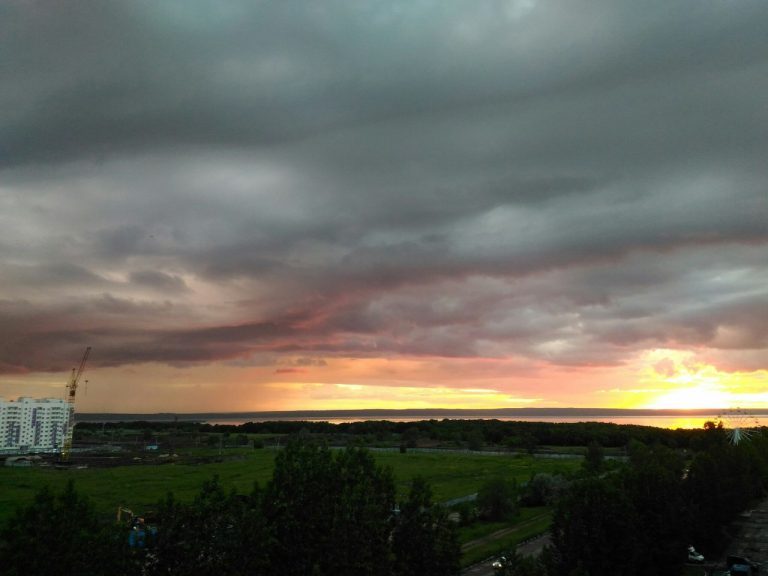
410,437
594,458
424,540
362,515
543,489
594,527
329,514
61,535
529,442
497,499
475,440
218,534
721,481
653,482
298,507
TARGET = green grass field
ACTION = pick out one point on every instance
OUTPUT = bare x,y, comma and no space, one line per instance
457,474
139,487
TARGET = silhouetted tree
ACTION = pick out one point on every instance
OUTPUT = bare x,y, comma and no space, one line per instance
654,484
594,458
217,534
721,482
298,506
594,527
424,541
362,516
543,489
329,514
497,499
61,535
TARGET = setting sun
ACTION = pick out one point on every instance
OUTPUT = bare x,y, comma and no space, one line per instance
674,379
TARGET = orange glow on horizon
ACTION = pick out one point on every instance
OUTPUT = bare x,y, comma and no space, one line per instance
656,379
674,379
361,397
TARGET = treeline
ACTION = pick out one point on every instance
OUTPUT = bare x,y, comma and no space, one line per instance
639,519
492,432
323,513
498,433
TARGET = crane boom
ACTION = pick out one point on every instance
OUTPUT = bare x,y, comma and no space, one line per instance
74,380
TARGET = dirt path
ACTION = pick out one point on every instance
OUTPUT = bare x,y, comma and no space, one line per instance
499,534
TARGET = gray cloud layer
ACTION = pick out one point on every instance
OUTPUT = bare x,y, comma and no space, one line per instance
566,182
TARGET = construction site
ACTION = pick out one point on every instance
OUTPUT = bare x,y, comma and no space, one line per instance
42,426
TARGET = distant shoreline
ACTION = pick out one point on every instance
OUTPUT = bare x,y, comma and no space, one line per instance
425,414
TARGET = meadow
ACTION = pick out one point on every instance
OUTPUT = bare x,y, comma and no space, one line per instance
141,486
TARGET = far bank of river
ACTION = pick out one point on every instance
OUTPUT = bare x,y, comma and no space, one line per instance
671,422
656,418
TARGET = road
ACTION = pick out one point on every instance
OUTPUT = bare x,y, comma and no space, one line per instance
752,534
530,548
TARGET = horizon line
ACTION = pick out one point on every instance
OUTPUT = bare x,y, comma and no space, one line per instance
438,411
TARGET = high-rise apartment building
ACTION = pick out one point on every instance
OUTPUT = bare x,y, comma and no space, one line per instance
32,425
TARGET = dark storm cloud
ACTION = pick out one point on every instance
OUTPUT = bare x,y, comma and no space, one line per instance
192,181
94,77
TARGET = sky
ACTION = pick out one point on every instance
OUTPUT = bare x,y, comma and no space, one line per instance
257,205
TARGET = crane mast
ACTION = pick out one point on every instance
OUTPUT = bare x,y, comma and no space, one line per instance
74,379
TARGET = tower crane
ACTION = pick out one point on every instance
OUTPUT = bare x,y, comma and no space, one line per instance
74,379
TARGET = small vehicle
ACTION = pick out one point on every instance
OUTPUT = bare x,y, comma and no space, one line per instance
694,556
502,565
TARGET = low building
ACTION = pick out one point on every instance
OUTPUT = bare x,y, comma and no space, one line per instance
32,425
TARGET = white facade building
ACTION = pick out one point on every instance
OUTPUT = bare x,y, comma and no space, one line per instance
32,425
